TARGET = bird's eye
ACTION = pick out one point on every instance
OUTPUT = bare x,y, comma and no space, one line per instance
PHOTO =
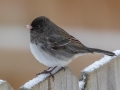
37,26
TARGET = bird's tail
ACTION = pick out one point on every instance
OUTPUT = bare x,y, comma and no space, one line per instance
94,50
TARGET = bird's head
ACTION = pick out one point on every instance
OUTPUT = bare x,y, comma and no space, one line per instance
39,24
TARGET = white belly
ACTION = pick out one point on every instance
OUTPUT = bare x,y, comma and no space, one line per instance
47,59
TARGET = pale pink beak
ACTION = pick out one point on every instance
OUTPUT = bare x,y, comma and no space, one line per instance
28,26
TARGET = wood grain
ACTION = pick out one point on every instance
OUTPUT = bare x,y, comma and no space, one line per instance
106,77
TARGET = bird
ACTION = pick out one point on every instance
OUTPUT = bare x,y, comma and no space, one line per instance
53,46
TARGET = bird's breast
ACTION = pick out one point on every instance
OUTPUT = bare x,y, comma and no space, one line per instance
47,58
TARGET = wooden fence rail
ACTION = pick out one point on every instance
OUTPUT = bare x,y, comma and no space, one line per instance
101,75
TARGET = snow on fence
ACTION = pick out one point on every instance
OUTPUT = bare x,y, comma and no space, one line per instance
4,85
101,75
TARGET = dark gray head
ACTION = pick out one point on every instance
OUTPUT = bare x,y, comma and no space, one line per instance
39,24
42,25
40,28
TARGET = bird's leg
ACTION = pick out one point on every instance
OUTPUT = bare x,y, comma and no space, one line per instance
43,71
63,68
48,71
53,68
51,73
49,68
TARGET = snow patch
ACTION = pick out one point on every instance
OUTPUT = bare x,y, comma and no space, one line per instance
2,81
101,62
82,83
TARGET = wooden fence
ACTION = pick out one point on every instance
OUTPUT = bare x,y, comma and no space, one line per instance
101,75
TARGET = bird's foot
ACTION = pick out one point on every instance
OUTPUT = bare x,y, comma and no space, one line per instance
48,71
63,68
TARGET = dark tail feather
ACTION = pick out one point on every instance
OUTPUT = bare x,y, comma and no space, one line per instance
101,51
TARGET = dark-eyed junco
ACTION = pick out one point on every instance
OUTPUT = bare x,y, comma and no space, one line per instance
54,47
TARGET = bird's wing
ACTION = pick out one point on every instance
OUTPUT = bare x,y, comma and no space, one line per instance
66,42
57,41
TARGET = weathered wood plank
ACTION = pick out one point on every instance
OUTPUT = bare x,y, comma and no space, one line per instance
64,80
5,86
102,75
